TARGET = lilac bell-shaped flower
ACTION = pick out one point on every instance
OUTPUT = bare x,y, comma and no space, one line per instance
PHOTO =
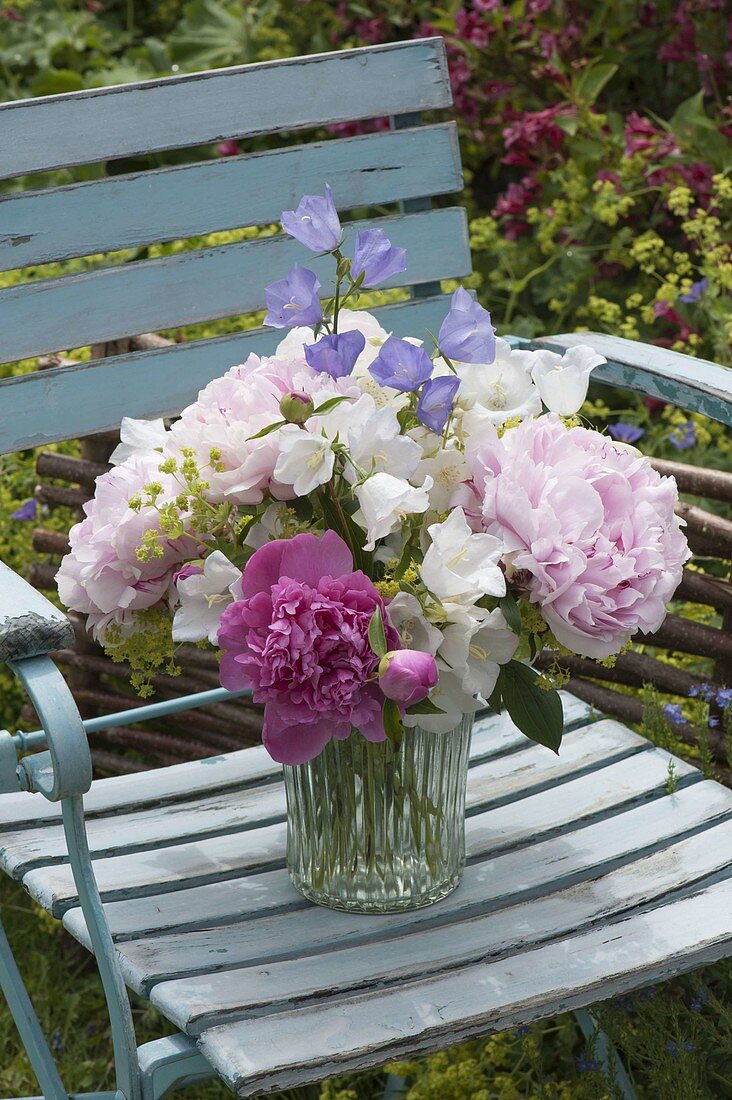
436,402
315,222
293,300
401,365
336,353
466,334
376,259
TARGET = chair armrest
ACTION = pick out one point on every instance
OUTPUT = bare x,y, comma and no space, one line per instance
29,623
694,384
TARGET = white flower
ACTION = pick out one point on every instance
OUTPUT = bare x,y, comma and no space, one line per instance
138,435
448,469
452,699
305,461
203,597
460,567
475,645
499,390
385,501
405,614
375,441
563,380
279,521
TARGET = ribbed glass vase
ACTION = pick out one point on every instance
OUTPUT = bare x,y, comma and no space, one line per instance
373,829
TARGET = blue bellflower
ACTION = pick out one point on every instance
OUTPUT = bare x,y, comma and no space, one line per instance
674,713
376,258
401,365
625,433
26,511
696,291
336,354
436,402
466,334
315,222
683,437
293,300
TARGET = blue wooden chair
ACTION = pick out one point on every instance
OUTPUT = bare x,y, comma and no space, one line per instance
174,878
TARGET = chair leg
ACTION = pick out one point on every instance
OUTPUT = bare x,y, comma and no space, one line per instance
26,1021
613,1069
173,1062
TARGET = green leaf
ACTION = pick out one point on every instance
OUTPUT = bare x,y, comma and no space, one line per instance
392,719
511,612
425,706
331,403
377,635
536,712
592,80
266,431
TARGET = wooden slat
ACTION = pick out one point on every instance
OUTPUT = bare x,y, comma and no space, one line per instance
490,879
475,1000
201,1001
126,211
639,777
695,384
173,112
224,813
190,287
47,406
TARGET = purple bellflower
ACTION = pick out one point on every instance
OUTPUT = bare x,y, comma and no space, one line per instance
436,402
625,433
26,511
466,334
696,291
401,365
336,354
315,222
293,300
376,258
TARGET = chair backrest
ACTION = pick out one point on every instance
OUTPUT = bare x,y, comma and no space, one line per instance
405,165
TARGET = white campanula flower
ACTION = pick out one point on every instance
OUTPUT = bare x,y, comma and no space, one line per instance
452,699
475,644
460,567
203,596
448,469
406,615
305,460
385,502
498,391
563,380
136,436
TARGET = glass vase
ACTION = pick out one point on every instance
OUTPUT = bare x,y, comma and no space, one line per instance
376,829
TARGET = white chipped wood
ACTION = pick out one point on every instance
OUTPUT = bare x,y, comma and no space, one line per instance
294,1048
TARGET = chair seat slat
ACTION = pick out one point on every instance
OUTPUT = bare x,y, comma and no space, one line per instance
201,285
66,402
191,200
174,112
475,1000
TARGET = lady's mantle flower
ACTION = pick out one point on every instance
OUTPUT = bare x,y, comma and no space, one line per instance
563,380
315,223
385,502
293,300
467,335
376,258
401,365
336,354
297,636
436,402
203,597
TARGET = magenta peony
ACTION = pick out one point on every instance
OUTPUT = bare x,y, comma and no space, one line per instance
298,637
407,676
588,526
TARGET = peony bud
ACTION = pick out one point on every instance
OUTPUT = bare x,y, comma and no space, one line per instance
406,675
296,407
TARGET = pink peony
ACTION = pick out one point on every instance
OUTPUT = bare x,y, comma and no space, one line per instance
102,575
298,637
407,675
589,528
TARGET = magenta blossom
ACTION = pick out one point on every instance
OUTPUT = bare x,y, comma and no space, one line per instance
588,527
297,635
407,675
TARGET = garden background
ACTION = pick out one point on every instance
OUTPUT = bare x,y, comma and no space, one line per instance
596,142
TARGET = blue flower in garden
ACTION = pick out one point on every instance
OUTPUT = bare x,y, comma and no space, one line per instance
683,436
701,999
626,433
315,222
436,402
26,511
376,258
293,300
336,354
674,714
696,291
586,1064
706,691
724,698
467,334
401,365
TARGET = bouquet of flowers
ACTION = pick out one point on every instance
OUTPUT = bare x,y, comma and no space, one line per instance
378,533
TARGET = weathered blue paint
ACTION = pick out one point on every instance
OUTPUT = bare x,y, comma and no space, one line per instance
105,123
189,200
613,1069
